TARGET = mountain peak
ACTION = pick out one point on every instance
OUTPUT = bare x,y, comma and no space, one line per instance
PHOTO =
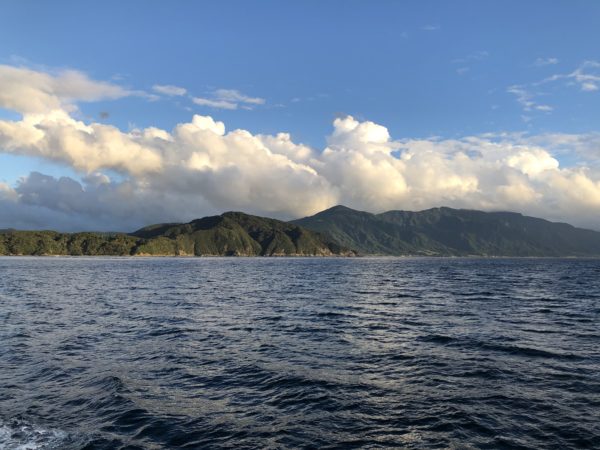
447,231
338,208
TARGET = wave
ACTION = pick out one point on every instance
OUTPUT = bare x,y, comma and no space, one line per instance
18,434
500,346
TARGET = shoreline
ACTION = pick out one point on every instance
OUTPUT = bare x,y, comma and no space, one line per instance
369,256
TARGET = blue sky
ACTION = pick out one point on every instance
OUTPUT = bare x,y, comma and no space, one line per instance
378,60
421,69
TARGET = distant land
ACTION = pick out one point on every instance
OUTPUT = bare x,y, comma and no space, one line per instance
230,234
338,231
451,232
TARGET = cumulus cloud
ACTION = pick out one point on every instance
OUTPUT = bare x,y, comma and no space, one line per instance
170,90
582,148
28,91
228,99
55,135
129,179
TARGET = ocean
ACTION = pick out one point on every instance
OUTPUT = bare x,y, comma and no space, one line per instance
245,353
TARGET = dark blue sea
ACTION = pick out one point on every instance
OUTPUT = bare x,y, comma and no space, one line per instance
245,353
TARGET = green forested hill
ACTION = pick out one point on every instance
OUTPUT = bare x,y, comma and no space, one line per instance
234,234
14,242
447,231
437,231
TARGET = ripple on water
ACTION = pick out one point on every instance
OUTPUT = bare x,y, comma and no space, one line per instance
104,353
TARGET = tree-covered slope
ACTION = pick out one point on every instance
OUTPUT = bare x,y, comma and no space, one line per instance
236,233
437,231
229,234
447,231
14,242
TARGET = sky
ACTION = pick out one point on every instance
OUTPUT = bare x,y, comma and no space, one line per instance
114,115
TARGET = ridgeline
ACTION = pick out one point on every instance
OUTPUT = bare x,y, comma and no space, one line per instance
230,234
451,232
338,231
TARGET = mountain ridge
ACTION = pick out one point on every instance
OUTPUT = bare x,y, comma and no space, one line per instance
444,231
230,234
337,231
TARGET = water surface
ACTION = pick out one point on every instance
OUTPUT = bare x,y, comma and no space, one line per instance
103,353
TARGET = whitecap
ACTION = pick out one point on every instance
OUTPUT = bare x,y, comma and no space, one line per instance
19,435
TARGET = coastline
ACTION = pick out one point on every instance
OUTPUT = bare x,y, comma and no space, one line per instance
297,256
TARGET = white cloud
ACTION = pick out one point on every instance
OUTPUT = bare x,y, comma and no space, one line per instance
170,90
580,148
219,104
200,168
28,91
586,76
229,99
540,62
56,136
430,27
527,99
589,86
236,96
